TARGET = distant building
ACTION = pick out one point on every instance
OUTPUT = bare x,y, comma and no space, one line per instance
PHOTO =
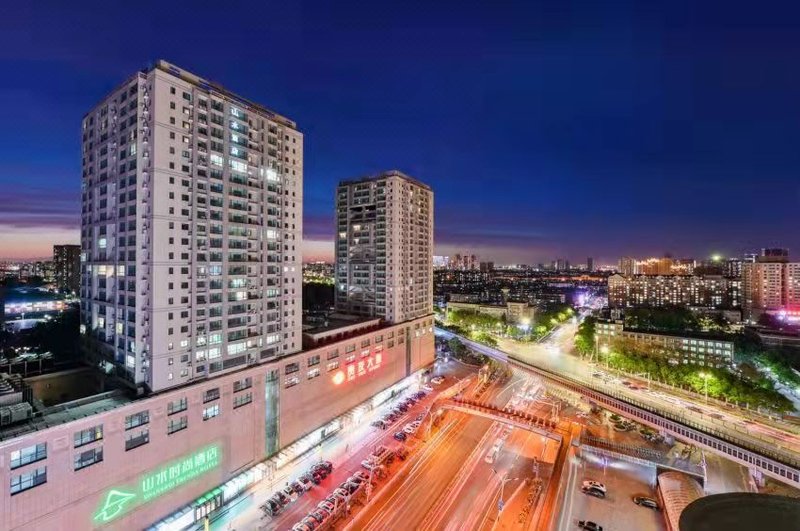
700,291
561,264
487,267
441,262
513,312
590,264
681,348
771,285
67,266
464,262
627,266
384,247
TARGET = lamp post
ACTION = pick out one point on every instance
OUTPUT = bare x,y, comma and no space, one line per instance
705,377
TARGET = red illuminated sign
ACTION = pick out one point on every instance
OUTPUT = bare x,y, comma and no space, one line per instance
357,369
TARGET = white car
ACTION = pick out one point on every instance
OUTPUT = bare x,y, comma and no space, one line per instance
437,380
411,427
591,484
427,388
369,465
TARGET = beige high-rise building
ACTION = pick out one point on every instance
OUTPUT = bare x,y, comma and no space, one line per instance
191,230
384,247
771,285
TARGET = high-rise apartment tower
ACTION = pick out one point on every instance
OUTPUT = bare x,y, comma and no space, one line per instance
384,247
191,230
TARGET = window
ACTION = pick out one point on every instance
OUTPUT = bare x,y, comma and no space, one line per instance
30,454
211,412
177,424
292,381
211,394
313,373
137,419
241,400
350,348
333,366
333,354
95,433
136,439
313,360
176,406
241,385
291,368
28,480
88,458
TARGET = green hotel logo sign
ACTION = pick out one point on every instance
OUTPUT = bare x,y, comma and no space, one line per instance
120,500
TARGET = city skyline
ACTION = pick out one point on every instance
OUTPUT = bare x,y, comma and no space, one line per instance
606,119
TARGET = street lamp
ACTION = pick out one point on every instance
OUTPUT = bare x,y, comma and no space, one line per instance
705,376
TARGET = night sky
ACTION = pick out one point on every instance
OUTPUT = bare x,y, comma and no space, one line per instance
545,128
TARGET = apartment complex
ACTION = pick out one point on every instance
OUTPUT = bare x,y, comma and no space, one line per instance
191,230
771,285
67,266
655,266
513,312
191,291
697,291
384,247
694,349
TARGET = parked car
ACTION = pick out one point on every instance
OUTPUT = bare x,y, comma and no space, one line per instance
427,388
400,436
644,501
588,525
591,491
369,465
590,483
379,424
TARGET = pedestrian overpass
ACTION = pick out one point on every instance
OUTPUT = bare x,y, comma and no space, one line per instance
518,419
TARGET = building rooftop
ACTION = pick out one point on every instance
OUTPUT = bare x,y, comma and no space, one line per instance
741,511
384,175
337,327
210,86
66,412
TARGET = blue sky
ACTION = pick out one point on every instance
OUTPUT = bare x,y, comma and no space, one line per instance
545,128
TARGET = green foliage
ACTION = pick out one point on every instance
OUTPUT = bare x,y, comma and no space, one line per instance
722,384
474,320
675,319
486,339
585,337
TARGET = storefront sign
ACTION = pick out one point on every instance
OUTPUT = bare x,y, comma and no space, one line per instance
120,500
359,368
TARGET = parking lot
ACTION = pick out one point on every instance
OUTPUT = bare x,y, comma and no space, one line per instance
615,512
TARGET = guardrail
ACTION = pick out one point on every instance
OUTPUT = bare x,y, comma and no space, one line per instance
770,460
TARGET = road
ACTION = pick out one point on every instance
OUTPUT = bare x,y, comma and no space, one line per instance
346,450
457,445
553,356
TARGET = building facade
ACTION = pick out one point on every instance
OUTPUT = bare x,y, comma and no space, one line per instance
191,230
697,291
116,463
67,266
771,285
679,348
384,247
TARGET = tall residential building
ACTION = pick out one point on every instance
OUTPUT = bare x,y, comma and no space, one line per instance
771,285
590,264
627,266
191,230
67,266
699,291
384,247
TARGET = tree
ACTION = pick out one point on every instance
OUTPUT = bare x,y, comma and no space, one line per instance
585,337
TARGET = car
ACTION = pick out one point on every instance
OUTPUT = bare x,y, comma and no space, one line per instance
298,487
349,487
289,493
326,465
271,507
591,491
283,497
427,388
403,408
342,492
590,483
410,428
302,526
379,424
400,436
588,525
369,465
327,505
644,501
310,522
361,474
320,515
420,417
437,380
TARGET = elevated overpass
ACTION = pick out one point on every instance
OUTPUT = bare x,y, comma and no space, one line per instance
756,453
516,418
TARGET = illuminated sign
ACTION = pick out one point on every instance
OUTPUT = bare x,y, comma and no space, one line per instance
120,500
362,367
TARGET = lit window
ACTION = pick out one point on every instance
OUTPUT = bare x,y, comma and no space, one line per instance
211,412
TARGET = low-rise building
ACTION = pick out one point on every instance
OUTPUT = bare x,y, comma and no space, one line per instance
512,312
113,460
681,348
